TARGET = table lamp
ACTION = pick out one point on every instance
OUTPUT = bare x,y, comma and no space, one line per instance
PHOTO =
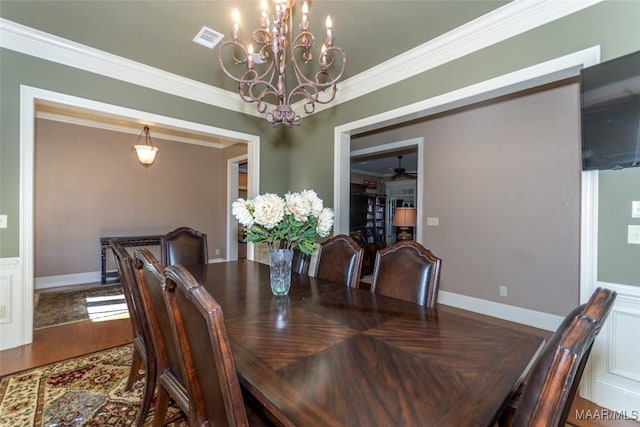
404,218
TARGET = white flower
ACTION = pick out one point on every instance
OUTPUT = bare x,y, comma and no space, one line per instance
298,206
325,222
268,210
288,221
314,201
241,210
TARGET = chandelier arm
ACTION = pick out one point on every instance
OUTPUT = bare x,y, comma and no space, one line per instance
225,46
261,37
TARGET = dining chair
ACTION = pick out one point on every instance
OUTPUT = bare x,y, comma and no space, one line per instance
408,271
340,261
197,322
300,262
169,380
185,246
548,393
143,353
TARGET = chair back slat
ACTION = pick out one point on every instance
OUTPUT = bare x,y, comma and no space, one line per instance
208,367
340,261
142,340
548,394
300,262
185,246
407,271
150,279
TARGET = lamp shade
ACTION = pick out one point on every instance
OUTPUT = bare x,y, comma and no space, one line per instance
146,152
404,217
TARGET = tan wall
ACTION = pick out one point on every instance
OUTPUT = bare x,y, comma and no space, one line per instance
504,180
89,184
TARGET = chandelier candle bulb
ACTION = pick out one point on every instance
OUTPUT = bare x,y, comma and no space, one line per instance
304,25
323,56
236,24
250,57
264,19
329,25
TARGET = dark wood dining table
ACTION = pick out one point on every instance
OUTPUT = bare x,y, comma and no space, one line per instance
328,355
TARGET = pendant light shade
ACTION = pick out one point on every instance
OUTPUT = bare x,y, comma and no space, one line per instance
146,152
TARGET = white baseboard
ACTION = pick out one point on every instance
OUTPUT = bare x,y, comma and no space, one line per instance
537,319
68,280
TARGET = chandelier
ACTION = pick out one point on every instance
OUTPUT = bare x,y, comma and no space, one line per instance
261,67
146,152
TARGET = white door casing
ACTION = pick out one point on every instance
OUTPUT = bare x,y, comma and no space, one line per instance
612,376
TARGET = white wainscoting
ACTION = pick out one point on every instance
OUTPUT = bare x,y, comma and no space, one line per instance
12,318
615,358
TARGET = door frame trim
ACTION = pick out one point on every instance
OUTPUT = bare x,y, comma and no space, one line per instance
28,97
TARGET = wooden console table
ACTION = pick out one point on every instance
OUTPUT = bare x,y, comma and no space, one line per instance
127,241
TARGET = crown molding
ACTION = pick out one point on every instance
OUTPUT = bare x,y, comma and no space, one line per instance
507,21
39,44
501,24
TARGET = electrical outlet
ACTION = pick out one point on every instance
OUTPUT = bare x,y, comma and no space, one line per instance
504,291
3,221
217,251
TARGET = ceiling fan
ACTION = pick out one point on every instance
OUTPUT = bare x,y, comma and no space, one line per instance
401,173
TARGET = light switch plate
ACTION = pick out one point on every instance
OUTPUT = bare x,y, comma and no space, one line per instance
3,221
433,221
633,236
635,209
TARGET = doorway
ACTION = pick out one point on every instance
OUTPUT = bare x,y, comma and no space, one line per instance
382,160
237,187
22,323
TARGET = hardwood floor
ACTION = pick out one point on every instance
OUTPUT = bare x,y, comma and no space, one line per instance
62,342
74,339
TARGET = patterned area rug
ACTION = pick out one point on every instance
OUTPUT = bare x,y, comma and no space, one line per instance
83,391
99,303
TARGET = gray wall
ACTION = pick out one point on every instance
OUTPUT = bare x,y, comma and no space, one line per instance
504,180
88,184
618,261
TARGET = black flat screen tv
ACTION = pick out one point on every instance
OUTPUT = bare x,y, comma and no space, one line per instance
610,110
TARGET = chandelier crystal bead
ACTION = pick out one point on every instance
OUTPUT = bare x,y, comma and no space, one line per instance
261,67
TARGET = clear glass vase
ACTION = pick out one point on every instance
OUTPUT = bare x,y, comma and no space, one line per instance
280,270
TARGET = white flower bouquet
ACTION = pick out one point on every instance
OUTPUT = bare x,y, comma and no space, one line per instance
284,223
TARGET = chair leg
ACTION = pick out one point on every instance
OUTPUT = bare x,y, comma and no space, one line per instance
147,396
136,364
162,405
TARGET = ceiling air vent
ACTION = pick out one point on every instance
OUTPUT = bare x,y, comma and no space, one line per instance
208,37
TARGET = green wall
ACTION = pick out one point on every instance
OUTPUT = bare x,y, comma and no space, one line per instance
618,261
